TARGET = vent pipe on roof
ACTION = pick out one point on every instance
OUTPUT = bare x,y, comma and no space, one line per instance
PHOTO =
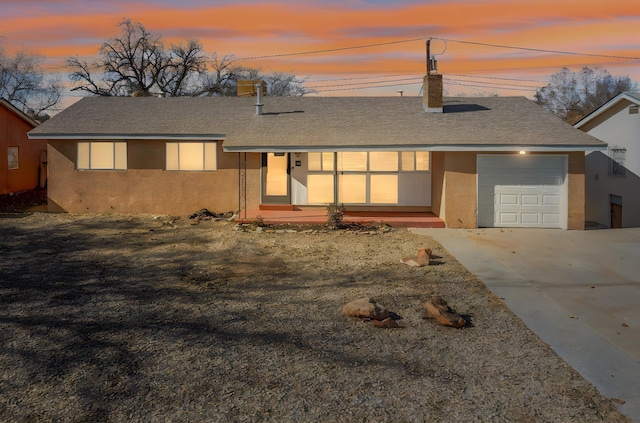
258,102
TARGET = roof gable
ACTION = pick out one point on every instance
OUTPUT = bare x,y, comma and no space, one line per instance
7,105
624,98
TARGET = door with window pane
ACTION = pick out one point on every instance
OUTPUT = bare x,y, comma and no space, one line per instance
275,178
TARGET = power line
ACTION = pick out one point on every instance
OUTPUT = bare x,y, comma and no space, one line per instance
331,50
497,87
359,78
364,83
485,83
538,50
495,77
371,86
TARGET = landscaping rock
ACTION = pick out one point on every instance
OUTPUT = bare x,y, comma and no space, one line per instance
437,308
365,308
387,323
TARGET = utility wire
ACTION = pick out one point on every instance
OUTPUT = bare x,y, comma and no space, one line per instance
370,86
365,83
331,50
538,50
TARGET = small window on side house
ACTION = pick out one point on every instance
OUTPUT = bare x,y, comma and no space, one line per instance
192,156
616,161
12,157
102,155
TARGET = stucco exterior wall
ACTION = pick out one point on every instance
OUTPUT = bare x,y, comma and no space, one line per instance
145,187
31,172
459,186
576,191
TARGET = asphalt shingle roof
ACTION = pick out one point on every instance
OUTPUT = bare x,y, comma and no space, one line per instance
317,122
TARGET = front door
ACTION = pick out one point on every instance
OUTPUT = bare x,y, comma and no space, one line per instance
275,178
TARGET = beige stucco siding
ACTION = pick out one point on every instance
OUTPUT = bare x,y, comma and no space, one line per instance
145,187
576,188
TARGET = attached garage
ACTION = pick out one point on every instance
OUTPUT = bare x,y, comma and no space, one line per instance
517,190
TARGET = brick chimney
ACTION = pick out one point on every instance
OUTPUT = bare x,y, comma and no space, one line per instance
432,85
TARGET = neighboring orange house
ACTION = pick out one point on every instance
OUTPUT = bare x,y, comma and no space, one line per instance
474,162
22,161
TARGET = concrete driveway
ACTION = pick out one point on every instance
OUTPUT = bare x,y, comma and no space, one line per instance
578,290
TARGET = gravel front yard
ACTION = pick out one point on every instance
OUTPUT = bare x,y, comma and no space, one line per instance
148,318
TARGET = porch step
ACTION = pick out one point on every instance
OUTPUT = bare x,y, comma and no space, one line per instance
278,207
319,217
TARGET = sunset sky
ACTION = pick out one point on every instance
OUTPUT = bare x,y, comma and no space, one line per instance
472,63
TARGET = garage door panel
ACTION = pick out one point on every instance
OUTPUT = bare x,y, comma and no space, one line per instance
551,219
530,200
508,199
508,218
530,218
550,200
524,191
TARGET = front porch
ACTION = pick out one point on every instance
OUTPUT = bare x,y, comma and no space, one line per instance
318,216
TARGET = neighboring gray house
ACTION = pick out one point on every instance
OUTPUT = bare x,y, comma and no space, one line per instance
613,177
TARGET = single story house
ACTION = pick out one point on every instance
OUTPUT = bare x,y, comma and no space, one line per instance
474,162
613,176
22,162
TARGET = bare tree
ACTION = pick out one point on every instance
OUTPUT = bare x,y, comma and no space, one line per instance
137,62
573,95
24,84
222,78
285,84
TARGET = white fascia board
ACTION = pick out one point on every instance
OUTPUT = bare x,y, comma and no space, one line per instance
465,148
606,106
124,137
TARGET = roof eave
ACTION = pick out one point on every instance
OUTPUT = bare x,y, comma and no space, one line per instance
112,137
461,148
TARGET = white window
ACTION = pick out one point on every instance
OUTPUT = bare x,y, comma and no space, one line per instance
192,156
415,161
320,162
102,155
12,156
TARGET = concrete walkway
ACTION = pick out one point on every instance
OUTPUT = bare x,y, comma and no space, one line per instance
578,290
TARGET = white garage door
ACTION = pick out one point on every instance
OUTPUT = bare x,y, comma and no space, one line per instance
522,191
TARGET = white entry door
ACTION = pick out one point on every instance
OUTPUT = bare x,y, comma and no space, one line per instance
522,191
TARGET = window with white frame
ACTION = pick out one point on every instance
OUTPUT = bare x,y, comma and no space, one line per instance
616,161
192,156
102,155
363,177
12,157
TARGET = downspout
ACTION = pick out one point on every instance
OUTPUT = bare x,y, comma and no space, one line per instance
245,184
335,178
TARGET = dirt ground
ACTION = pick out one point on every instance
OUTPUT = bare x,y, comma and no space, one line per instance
152,319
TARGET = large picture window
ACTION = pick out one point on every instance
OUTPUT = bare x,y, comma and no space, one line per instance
367,177
102,155
192,156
